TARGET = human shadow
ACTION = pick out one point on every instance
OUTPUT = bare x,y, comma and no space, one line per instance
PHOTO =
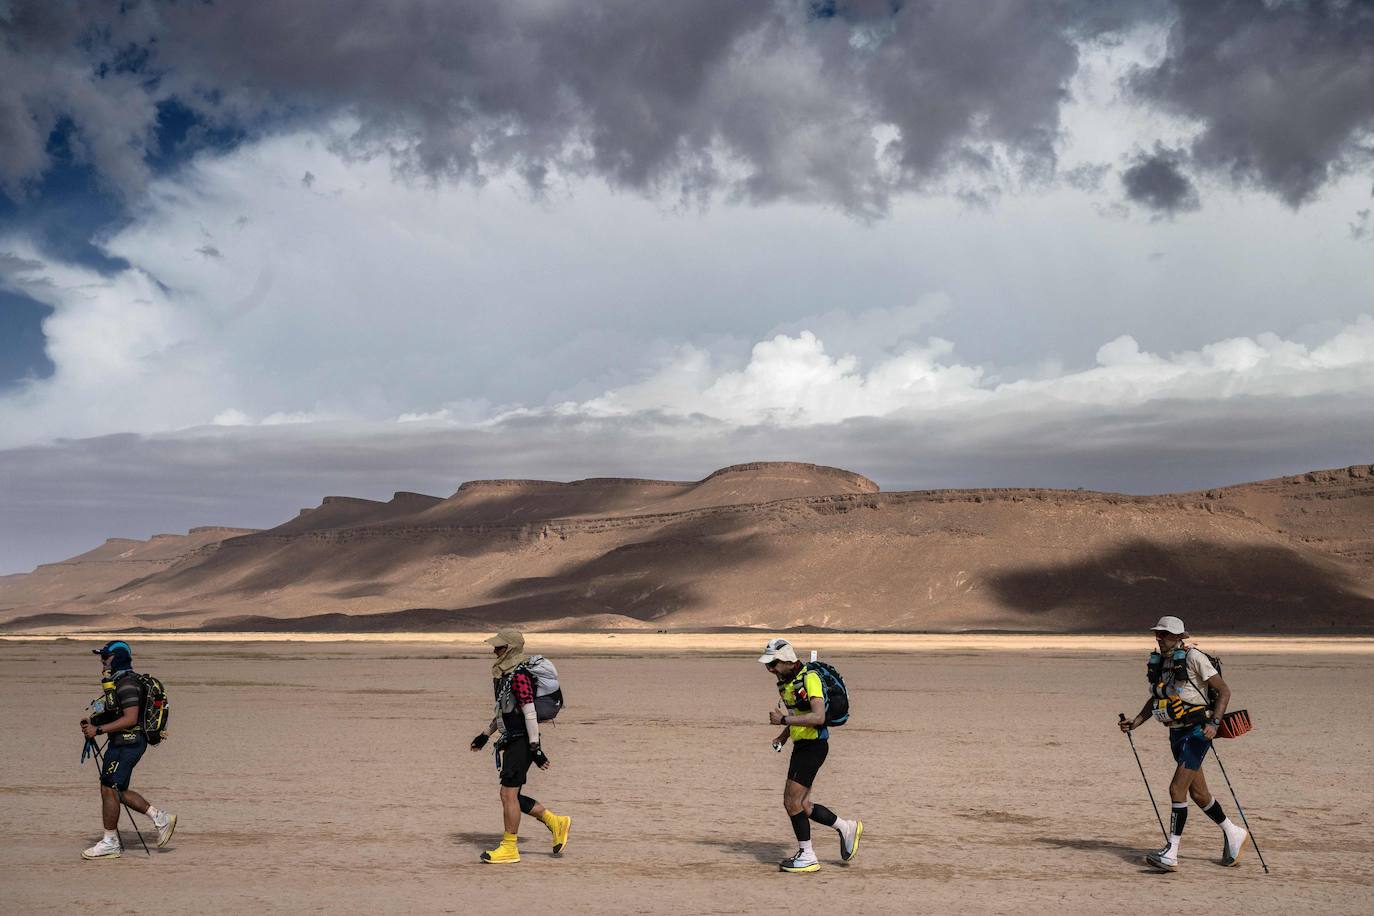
767,852
1120,850
1249,587
477,839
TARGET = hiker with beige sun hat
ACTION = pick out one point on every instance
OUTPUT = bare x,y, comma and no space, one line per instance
527,693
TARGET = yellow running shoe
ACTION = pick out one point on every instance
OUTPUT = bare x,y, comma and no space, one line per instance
507,851
559,826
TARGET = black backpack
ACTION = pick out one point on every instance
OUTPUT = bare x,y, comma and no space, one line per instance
836,694
153,708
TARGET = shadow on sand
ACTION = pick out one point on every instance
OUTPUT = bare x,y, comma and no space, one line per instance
767,852
1244,587
479,840
1132,854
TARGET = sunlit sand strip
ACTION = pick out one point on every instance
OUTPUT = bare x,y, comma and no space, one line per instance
636,643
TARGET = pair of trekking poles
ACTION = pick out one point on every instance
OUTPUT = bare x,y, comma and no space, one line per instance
1159,818
93,748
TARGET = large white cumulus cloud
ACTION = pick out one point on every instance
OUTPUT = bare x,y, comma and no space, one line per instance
289,282
793,381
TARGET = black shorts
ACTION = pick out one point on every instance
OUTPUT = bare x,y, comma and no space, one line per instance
118,764
807,757
515,762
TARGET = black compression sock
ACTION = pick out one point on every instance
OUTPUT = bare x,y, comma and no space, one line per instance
1178,816
526,803
800,826
823,815
1214,811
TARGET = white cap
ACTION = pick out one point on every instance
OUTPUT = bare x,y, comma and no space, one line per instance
1170,625
778,650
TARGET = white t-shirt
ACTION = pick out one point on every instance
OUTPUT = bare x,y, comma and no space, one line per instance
1193,690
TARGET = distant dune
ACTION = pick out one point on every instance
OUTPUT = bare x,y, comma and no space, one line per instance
772,545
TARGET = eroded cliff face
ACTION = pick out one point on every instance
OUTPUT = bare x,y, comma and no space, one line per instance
770,545
117,561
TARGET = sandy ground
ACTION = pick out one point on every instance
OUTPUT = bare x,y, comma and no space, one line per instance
333,777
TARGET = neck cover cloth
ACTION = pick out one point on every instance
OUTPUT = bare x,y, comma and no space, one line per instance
512,644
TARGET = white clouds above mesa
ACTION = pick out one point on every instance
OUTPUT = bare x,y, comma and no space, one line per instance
846,102
793,381
254,295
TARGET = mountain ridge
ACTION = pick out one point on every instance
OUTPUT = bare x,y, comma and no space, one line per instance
762,544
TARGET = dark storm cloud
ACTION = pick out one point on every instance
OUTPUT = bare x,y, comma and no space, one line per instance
756,100
1087,176
1362,227
56,73
1284,91
762,100
1156,180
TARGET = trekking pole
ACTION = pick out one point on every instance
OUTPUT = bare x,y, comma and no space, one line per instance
119,793
1243,819
1122,716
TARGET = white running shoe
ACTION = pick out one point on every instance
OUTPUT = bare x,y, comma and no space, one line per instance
801,861
849,831
165,828
1232,845
1164,860
105,849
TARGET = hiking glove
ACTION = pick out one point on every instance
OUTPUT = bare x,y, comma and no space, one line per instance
479,742
537,754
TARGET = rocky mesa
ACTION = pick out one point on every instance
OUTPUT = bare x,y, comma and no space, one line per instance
769,544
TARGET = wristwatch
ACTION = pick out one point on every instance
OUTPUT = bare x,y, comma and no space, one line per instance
784,719
1215,723
99,730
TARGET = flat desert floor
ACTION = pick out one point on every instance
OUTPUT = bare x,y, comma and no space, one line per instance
334,777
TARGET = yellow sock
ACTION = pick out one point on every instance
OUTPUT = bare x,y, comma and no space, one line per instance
547,817
509,839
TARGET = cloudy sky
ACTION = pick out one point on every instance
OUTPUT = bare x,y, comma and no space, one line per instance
255,253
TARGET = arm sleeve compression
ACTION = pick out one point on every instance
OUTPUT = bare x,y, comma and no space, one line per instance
531,722
523,687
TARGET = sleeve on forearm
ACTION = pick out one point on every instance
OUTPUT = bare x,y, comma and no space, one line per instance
531,722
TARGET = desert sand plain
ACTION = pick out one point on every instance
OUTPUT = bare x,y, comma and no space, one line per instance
333,776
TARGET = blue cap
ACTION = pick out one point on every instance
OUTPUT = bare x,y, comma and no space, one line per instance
117,653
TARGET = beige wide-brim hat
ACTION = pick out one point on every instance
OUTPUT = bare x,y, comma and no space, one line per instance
506,638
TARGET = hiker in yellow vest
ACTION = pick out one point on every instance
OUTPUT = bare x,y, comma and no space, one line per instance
803,717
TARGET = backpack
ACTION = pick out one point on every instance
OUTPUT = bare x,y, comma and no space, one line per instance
1155,670
836,694
153,708
1212,695
548,695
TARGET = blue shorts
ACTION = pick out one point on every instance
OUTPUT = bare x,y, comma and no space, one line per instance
1189,746
118,764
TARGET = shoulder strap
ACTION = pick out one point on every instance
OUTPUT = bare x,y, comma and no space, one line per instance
1202,689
